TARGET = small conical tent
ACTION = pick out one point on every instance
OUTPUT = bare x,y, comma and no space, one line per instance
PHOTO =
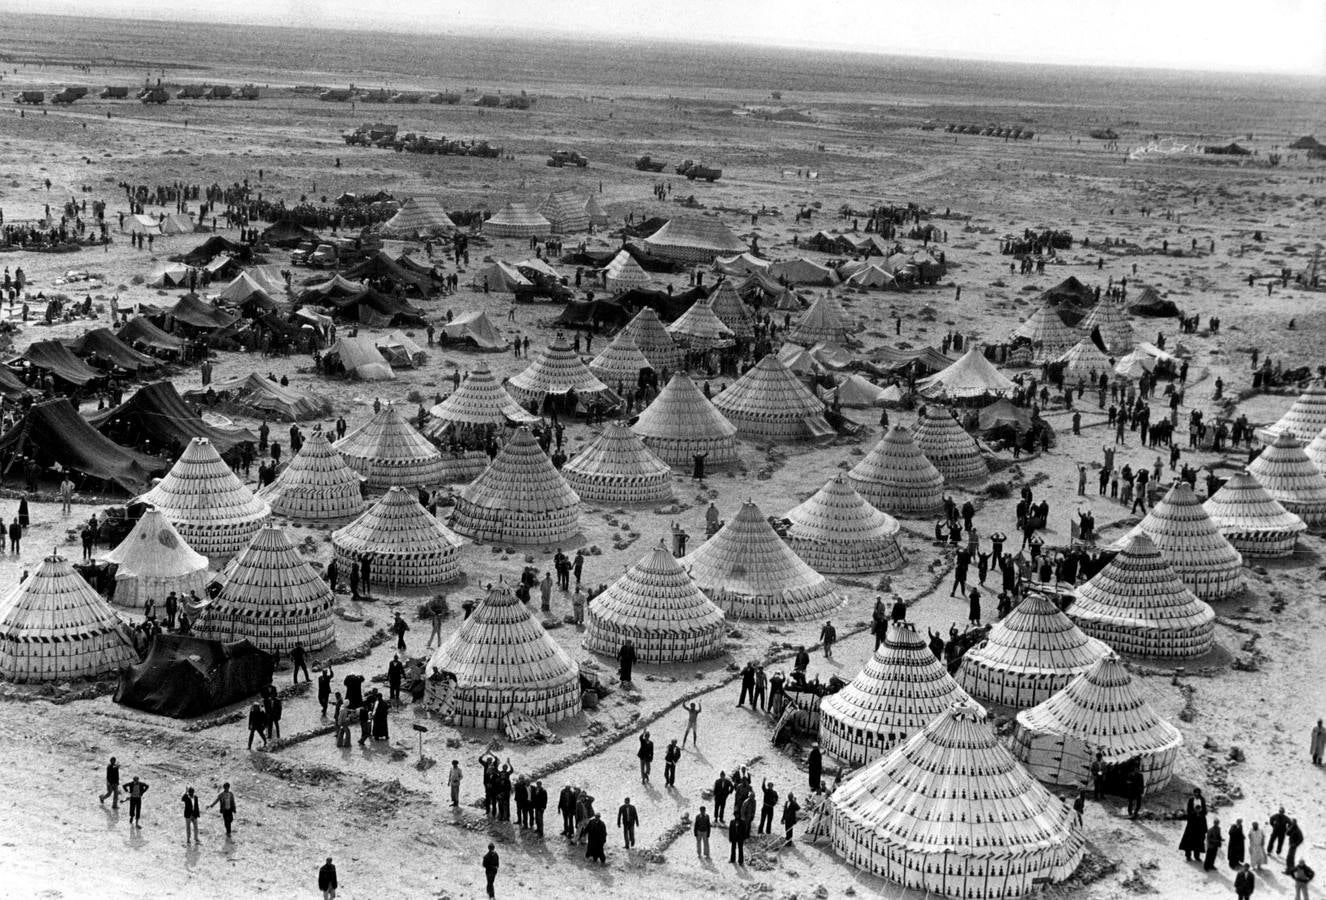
951,813
1138,605
770,403
837,532
1102,711
317,486
1305,418
899,691
154,560
419,217
1192,544
1115,330
971,377
1290,478
500,660
953,451
658,608
557,370
617,468
732,311
624,273
825,322
481,400
749,571
407,546
1252,520
896,476
594,212
699,328
387,451
648,333
519,499
209,506
1050,338
1084,362
55,627
619,364
565,212
1030,654
517,220
1316,451
681,423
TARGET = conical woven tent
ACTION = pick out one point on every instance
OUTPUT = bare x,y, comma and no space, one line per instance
899,691
211,508
837,532
387,451
1305,418
1085,362
653,340
519,499
1138,605
408,546
620,363
1291,478
595,212
1030,654
1101,711
624,273
501,660
481,400
658,607
770,403
693,240
617,468
681,422
154,560
953,451
699,328
54,627
565,212
732,311
972,376
1316,451
517,220
317,486
557,369
419,216
825,322
896,476
1191,543
272,597
749,571
1115,330
1050,338
1252,520
952,813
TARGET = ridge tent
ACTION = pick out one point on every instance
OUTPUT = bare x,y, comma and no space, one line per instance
55,358
259,397
142,332
400,351
139,224
193,311
691,241
101,345
802,271
361,358
476,328
55,435
170,275
381,267
742,264
184,677
177,223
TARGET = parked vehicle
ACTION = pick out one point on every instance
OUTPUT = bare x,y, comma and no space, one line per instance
559,158
646,164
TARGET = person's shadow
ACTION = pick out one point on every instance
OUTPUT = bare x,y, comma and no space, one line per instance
191,855
112,816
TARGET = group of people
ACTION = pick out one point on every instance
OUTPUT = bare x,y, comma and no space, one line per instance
135,789
1246,852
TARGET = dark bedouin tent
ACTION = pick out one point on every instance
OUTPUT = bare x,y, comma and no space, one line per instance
54,357
10,386
102,347
157,413
608,315
213,247
139,331
381,267
669,307
1069,292
288,234
374,308
1151,305
256,396
193,311
54,433
183,677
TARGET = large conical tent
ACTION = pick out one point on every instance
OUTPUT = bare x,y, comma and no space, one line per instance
838,532
565,212
1050,338
1084,362
595,212
210,507
519,499
658,608
681,422
699,328
953,451
1115,330
896,476
825,322
1316,451
317,486
1291,478
898,692
419,217
1029,654
1138,605
770,403
617,468
387,451
272,597
557,370
517,220
54,627
647,330
623,273
481,400
952,813
732,311
749,571
619,364
407,546
971,377
154,560
1101,711
693,240
1252,520
500,660
1305,418
1192,544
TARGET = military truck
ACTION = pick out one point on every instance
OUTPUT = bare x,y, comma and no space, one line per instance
694,170
646,164
559,158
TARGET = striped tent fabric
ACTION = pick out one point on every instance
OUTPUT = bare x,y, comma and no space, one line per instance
618,365
209,506
500,660
1084,362
272,597
953,451
951,813
1138,605
658,607
565,212
153,560
971,377
1291,479
407,546
623,273
55,627
481,400
749,571
1316,451
693,240
1190,542
900,690
519,499
837,532
681,422
897,478
1305,418
653,340
1050,338
1115,330
618,468
557,369
1030,654
1252,520
594,212
699,328
825,322
388,451
732,310
770,403
317,486
419,217
517,220
1100,711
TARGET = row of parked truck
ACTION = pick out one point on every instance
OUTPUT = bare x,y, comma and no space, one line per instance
388,137
147,95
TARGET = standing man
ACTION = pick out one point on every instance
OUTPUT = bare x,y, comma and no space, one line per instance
453,781
596,839
693,710
1244,883
191,815
1136,788
490,863
298,660
815,763
538,798
747,684
1279,825
436,634
828,634
646,756
566,805
702,829
398,625
1318,743
226,800
627,819
736,839
626,661
395,675
66,495
670,758
112,783
790,810
327,880
722,789
1098,769
135,790
770,806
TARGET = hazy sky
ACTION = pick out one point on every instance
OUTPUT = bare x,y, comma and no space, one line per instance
1249,35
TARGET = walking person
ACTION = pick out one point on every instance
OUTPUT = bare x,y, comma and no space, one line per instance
191,815
436,634
226,800
646,756
1214,838
398,626
828,634
671,756
327,880
627,819
112,783
135,790
491,861
257,724
702,829
1279,825
693,710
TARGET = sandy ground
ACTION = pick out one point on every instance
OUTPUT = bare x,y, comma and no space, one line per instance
386,821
